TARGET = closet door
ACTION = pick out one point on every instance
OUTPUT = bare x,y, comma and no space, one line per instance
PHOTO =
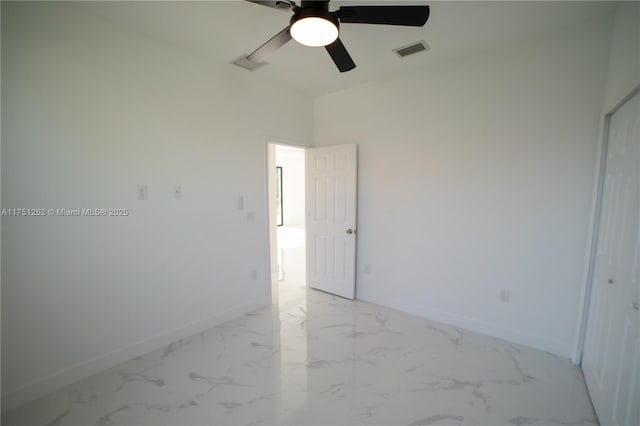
611,355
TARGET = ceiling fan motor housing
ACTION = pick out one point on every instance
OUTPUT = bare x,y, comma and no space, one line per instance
320,4
314,9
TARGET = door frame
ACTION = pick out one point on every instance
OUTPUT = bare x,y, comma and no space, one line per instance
592,238
269,176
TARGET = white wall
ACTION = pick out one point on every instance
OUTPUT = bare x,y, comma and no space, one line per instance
89,112
292,162
624,61
476,176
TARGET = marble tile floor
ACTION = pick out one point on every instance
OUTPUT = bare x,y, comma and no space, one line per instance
316,359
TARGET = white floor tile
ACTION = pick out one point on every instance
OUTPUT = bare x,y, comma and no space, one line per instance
317,359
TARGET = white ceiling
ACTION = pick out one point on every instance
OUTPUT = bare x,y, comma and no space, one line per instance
224,30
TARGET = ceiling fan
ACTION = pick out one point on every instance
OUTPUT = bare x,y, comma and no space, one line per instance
312,24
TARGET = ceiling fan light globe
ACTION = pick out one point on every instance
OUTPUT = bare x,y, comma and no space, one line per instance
314,31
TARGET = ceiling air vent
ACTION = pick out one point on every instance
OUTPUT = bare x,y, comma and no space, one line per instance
246,63
413,48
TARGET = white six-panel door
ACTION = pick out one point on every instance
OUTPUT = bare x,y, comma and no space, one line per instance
611,358
331,219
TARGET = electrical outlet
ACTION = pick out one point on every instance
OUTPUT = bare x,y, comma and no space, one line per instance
177,192
367,268
505,295
251,216
143,192
254,274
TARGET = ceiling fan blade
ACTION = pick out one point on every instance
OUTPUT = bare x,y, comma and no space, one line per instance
412,16
274,43
276,4
340,56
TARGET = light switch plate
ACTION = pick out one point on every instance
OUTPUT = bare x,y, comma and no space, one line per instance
143,192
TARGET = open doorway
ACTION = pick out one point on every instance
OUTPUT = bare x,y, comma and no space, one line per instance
287,218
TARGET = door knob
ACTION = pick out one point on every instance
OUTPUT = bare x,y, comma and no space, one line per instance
349,231
636,306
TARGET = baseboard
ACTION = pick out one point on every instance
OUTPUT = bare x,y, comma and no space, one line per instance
45,385
472,324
